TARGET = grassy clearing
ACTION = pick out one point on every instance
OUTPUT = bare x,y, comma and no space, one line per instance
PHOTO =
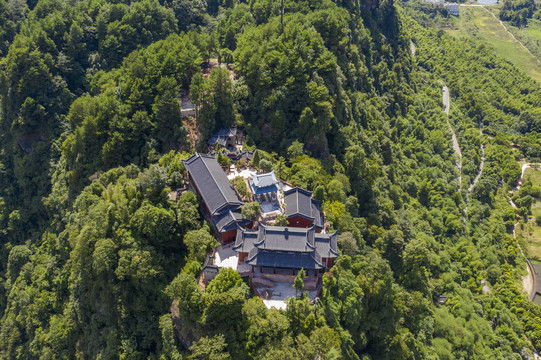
534,175
533,30
478,22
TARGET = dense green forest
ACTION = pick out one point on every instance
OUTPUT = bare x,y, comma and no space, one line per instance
94,259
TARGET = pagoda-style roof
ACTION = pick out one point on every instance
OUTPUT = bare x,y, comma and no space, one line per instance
221,136
286,247
228,220
264,183
299,202
212,184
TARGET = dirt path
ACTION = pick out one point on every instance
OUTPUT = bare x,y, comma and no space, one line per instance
513,36
481,166
521,180
456,146
528,281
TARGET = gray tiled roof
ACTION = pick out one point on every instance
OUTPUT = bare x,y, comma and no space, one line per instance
245,241
264,180
285,238
212,183
326,245
281,259
299,202
220,136
316,212
286,247
228,218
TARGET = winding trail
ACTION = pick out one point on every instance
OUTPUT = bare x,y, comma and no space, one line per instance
532,282
504,27
531,275
481,166
513,36
524,167
456,146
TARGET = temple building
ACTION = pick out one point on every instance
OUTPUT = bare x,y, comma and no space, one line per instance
228,138
265,186
277,254
302,210
221,203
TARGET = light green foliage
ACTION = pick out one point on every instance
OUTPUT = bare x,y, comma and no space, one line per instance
251,210
297,82
265,165
199,243
348,244
151,183
281,220
186,291
117,241
299,280
172,162
240,186
224,298
209,348
295,149
170,350
224,160
307,172
187,211
264,329
335,191
148,104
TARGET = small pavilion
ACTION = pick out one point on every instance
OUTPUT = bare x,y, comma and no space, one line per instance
265,187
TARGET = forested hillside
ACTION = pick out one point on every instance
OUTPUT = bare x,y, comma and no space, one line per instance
96,262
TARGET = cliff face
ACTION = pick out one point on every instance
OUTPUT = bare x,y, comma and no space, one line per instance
186,334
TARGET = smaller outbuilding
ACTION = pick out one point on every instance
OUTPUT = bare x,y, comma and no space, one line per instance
265,186
302,210
228,138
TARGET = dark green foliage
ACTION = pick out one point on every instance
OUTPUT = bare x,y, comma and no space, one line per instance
251,210
214,100
7,27
199,243
517,12
93,254
189,13
118,241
